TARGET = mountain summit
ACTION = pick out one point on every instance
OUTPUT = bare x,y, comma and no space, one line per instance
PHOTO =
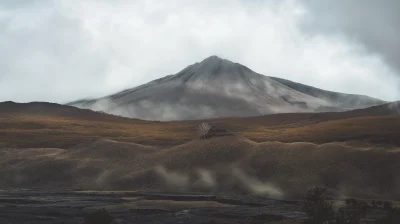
217,87
213,68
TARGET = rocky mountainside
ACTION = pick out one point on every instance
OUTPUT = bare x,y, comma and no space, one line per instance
338,100
217,87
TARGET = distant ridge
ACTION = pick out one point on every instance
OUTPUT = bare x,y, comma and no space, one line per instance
215,88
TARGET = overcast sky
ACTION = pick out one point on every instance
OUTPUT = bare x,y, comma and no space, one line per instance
64,50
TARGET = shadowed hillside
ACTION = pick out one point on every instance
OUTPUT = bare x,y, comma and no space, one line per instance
217,164
353,153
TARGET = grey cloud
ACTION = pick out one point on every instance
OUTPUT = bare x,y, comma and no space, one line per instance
374,23
18,4
45,51
64,50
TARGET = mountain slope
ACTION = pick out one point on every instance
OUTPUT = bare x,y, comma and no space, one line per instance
340,100
212,88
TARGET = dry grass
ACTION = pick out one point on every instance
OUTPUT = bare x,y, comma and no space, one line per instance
52,125
365,171
48,145
380,129
61,129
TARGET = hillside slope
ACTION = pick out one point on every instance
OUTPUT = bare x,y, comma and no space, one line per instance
229,164
59,126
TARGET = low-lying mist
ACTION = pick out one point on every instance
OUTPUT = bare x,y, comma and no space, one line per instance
217,165
205,179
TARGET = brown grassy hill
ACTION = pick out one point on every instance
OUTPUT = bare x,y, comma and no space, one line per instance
57,126
218,164
390,109
54,125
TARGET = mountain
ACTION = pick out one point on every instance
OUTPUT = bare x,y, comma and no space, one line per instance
217,87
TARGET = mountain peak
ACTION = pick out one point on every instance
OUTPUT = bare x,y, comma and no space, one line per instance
212,58
215,60
214,64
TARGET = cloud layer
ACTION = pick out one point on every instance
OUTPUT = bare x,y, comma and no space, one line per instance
63,50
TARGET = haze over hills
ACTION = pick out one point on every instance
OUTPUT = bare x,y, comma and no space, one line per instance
217,88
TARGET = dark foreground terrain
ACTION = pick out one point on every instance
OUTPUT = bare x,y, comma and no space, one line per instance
31,206
68,207
353,154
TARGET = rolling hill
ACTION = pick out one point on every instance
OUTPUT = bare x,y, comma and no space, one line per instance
230,164
215,88
59,126
353,153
